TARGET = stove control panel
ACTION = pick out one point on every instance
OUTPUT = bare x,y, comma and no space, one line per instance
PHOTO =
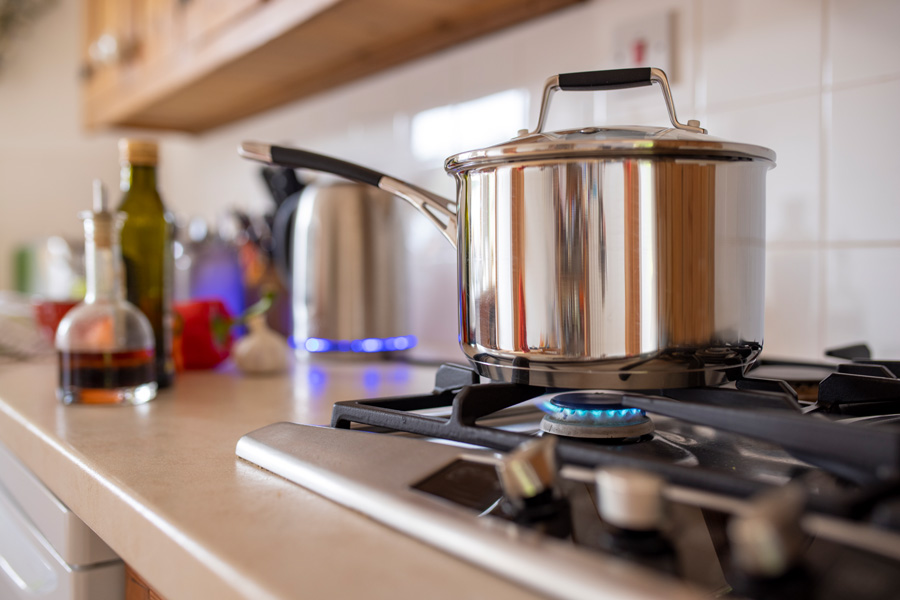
574,532
755,548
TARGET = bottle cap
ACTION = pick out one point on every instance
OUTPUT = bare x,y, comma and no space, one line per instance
99,223
137,152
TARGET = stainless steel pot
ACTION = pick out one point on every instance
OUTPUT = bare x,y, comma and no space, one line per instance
625,257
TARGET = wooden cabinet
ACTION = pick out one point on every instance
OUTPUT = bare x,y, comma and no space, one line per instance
191,65
138,589
206,17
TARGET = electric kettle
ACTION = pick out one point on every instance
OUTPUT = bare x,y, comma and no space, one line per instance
339,248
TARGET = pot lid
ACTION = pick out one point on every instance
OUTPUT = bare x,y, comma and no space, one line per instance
609,142
685,140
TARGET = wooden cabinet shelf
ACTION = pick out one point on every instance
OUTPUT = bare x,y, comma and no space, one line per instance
192,65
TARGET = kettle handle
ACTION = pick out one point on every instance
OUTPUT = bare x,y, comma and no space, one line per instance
440,211
613,79
282,236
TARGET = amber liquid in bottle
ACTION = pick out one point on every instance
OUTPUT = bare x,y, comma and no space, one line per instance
100,377
105,344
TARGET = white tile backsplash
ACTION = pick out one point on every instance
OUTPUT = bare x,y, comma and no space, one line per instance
863,202
863,39
645,106
569,40
752,49
792,304
862,287
791,129
432,291
755,71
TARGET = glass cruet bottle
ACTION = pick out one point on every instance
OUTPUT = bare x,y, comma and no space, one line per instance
105,344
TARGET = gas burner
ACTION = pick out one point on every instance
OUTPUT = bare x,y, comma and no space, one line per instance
737,487
594,415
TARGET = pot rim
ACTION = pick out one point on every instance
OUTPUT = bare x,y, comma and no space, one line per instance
610,144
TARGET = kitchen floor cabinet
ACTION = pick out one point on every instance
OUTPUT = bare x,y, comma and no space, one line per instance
160,63
138,589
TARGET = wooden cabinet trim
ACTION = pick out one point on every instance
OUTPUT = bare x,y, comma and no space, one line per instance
276,51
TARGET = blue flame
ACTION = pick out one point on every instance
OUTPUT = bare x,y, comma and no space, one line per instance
601,415
365,345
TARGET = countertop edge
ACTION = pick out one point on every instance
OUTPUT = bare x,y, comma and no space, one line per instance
70,476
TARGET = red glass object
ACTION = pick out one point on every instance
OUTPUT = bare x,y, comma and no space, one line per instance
205,339
48,314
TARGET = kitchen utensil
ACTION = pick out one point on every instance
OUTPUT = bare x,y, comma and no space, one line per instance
346,268
282,183
285,189
616,257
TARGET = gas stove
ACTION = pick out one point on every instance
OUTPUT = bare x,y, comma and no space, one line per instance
785,483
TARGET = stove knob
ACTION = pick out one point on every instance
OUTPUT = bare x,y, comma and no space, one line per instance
630,503
766,545
887,515
529,472
766,539
530,495
630,499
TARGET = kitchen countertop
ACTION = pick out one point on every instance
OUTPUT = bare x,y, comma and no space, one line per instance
160,483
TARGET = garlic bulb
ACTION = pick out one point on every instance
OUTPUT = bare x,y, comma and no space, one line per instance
262,351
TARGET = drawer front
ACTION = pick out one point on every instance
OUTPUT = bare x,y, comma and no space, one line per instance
74,541
30,569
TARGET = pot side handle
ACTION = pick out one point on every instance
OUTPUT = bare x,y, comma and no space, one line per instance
439,210
613,79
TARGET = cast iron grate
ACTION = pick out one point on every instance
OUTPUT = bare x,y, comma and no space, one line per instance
867,456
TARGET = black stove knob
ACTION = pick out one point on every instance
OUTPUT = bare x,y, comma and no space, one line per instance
767,543
530,495
887,515
632,508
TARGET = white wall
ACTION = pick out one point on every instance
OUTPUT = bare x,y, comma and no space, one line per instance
46,162
816,80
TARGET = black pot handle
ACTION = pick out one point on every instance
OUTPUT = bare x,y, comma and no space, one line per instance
440,211
294,157
615,79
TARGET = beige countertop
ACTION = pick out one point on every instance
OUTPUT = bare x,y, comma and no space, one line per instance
160,483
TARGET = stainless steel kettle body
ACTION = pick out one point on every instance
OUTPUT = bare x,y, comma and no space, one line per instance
348,271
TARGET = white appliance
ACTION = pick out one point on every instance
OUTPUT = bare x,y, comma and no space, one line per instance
46,551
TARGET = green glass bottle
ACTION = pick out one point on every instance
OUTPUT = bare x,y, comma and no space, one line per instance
147,248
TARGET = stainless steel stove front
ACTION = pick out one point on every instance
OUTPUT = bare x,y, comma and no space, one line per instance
347,467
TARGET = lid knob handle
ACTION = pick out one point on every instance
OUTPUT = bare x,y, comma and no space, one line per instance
615,79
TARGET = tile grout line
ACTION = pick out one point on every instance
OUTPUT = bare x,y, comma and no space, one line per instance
824,86
773,98
816,245
825,134
858,83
